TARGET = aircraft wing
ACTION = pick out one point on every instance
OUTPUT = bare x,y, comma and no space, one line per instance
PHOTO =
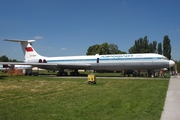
57,66
51,66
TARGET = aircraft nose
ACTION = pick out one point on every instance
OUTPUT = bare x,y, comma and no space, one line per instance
171,63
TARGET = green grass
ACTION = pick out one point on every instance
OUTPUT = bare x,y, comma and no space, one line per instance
33,98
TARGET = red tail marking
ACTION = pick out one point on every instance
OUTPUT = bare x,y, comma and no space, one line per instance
29,49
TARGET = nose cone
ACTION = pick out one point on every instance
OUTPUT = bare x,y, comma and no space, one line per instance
171,63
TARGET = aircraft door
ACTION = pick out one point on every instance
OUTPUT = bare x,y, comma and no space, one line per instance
97,60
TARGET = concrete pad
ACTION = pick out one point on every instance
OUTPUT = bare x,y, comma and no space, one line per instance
172,102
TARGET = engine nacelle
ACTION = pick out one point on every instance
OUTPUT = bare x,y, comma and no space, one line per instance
36,61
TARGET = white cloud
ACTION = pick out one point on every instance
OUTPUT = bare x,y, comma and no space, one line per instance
124,3
170,31
63,49
38,37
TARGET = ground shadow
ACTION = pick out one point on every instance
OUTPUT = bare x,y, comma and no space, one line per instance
2,77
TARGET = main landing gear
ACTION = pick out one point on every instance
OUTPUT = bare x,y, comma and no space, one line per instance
74,73
63,73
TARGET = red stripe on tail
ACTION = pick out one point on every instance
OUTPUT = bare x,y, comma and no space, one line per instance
29,49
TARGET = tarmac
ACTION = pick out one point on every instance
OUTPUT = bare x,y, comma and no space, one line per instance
172,102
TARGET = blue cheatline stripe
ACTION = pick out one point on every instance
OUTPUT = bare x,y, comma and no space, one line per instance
103,59
73,60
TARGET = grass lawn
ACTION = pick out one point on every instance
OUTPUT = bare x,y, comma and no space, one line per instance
31,97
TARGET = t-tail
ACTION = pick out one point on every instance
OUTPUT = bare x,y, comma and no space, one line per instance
28,50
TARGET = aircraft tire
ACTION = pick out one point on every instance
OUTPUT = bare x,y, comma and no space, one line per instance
59,73
72,73
64,74
76,73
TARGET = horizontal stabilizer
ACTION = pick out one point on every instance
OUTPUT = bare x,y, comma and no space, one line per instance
29,41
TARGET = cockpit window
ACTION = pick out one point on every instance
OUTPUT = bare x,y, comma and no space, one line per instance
165,58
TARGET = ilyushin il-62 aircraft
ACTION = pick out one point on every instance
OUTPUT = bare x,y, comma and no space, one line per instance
113,62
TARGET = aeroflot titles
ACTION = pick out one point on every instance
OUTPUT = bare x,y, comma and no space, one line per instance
117,56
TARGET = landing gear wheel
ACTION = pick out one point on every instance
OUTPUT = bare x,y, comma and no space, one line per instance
76,73
72,73
64,74
59,73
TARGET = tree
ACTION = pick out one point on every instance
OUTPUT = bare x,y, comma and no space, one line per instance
103,49
132,49
151,50
154,43
122,52
178,66
160,48
140,46
137,47
113,49
4,58
13,60
145,45
167,47
92,50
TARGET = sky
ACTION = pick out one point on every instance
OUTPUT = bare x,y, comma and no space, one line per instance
69,27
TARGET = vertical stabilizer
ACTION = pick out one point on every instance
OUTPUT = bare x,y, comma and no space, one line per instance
28,50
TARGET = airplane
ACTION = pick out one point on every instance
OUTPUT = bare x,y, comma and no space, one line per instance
112,62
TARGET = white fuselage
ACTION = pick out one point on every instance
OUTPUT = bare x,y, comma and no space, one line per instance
111,62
